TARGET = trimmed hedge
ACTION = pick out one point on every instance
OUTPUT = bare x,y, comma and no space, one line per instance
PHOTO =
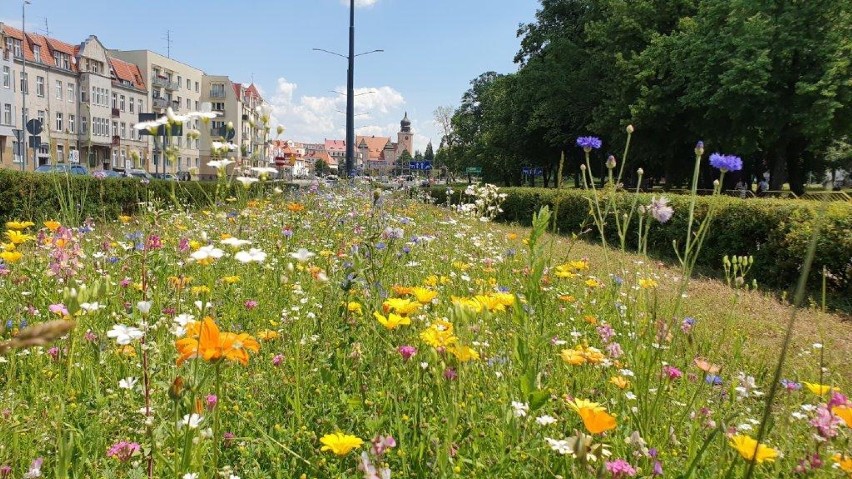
36,196
775,232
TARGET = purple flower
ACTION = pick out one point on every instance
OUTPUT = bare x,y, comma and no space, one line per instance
228,439
826,423
713,379
606,333
687,324
672,372
35,468
790,386
5,471
660,209
407,352
212,400
726,162
450,374
837,399
699,148
589,143
620,468
277,360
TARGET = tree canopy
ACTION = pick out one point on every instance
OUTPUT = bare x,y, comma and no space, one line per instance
767,80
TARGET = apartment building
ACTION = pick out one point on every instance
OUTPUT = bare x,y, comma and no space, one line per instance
170,84
129,98
7,108
50,84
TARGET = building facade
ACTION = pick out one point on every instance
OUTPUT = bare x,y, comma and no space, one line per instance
8,143
175,85
129,97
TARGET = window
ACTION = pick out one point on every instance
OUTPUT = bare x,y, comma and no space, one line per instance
40,86
188,84
70,93
123,130
179,81
37,53
114,100
139,104
41,118
115,128
58,89
196,105
7,77
121,103
58,121
217,90
71,122
15,46
84,126
196,87
62,60
60,153
25,83
7,114
130,104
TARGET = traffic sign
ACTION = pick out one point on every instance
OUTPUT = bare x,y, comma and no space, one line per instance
420,165
74,156
474,170
19,134
35,142
532,171
34,126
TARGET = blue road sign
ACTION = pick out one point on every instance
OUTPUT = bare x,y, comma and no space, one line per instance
532,171
420,165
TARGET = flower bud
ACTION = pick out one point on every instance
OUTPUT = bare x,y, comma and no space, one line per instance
640,172
610,162
699,148
176,390
629,129
583,167
716,183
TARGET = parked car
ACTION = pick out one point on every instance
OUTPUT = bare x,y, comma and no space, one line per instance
331,179
141,174
63,168
107,174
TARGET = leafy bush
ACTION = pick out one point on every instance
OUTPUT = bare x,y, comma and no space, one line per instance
775,232
39,196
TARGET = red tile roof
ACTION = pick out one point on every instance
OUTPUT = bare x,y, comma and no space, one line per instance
375,145
335,145
128,72
46,45
237,89
251,90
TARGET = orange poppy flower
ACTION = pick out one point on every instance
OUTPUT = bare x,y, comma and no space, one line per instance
706,365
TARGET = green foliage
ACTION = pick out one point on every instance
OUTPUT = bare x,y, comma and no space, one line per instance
774,232
39,196
320,167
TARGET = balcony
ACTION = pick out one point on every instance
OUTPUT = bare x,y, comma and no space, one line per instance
116,140
217,94
116,113
160,103
165,83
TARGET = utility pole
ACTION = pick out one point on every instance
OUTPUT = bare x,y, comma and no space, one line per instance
350,95
168,40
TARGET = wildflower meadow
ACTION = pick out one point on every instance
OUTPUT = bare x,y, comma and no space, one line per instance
351,332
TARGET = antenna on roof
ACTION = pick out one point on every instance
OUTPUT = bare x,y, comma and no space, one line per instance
168,39
46,29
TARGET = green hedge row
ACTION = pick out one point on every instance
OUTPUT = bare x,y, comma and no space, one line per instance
37,196
775,232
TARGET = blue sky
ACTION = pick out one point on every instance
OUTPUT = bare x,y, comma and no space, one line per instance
433,48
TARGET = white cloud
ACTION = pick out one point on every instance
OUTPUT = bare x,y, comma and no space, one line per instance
360,3
314,118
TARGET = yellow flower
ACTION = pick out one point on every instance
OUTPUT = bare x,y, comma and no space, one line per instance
179,282
295,207
582,354
647,283
339,443
231,279
461,265
198,290
8,246
573,357
511,236
19,225
592,283
751,450
468,303
195,244
52,225
571,268
354,307
423,295
11,256
400,306
844,462
590,319
400,290
267,335
464,353
819,389
124,219
566,297
439,334
843,412
16,237
620,382
392,321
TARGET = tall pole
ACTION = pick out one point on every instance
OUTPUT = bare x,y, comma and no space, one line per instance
25,91
350,96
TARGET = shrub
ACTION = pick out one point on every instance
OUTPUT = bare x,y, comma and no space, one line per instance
775,232
37,197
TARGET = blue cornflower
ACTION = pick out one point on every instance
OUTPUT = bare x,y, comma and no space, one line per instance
406,249
24,323
589,143
790,385
726,162
511,252
113,259
380,246
9,324
713,379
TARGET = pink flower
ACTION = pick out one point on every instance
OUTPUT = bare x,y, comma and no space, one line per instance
382,444
450,374
276,361
614,350
825,422
837,399
58,309
123,450
212,401
672,372
407,352
250,304
620,468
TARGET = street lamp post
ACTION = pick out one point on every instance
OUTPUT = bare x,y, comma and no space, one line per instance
26,83
350,91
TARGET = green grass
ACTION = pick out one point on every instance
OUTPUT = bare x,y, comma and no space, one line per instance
323,366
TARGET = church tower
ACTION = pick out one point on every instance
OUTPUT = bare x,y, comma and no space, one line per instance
405,139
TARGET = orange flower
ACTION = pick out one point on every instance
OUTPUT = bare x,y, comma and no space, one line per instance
401,290
594,416
205,341
706,365
843,412
295,207
52,225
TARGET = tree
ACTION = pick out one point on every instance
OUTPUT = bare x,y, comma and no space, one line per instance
321,167
403,161
418,156
429,155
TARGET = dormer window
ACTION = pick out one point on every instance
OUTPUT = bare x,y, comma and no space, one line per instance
37,53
